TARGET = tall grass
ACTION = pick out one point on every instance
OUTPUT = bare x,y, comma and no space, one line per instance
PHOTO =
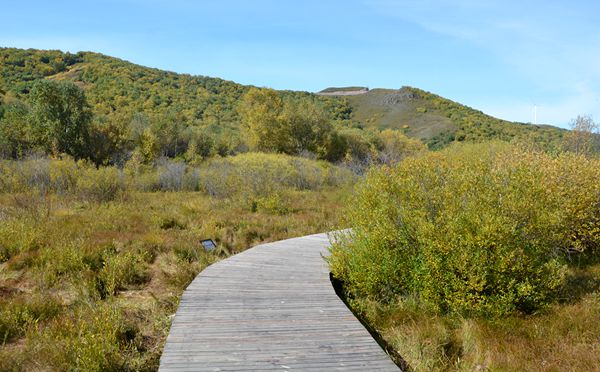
262,174
245,175
92,264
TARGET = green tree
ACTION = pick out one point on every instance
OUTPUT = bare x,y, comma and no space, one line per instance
149,146
260,110
308,126
291,126
60,117
14,130
109,140
333,146
191,155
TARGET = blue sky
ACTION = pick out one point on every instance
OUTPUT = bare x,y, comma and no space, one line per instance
502,57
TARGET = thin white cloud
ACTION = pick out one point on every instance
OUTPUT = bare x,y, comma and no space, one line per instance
551,44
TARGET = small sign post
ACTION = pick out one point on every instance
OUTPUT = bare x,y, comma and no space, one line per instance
208,244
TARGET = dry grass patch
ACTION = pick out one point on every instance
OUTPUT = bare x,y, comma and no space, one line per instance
565,337
93,285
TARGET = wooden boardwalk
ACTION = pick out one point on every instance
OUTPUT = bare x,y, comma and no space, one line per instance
271,307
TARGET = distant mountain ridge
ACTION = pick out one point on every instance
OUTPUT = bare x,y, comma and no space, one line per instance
118,90
436,120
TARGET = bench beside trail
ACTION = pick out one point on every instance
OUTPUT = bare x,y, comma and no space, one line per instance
271,307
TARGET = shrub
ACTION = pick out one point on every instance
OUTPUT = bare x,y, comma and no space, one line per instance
396,146
254,175
90,339
18,236
17,314
63,261
63,175
474,229
184,269
190,253
168,223
100,185
275,204
139,176
171,175
31,174
191,180
120,270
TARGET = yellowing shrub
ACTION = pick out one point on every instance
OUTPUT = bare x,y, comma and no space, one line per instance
472,229
16,314
254,176
100,185
91,339
61,176
120,270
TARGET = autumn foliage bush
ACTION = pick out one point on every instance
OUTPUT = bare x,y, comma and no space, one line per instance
259,179
482,229
61,176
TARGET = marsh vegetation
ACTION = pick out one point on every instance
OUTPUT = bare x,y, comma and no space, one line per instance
93,260
475,240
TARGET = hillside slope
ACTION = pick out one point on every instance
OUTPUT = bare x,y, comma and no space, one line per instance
114,86
437,120
118,90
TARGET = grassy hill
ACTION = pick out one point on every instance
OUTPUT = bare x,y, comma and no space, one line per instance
437,120
118,90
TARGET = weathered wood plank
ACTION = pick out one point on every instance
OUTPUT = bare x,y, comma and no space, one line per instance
271,307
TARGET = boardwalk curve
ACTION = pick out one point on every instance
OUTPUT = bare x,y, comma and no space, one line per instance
271,307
